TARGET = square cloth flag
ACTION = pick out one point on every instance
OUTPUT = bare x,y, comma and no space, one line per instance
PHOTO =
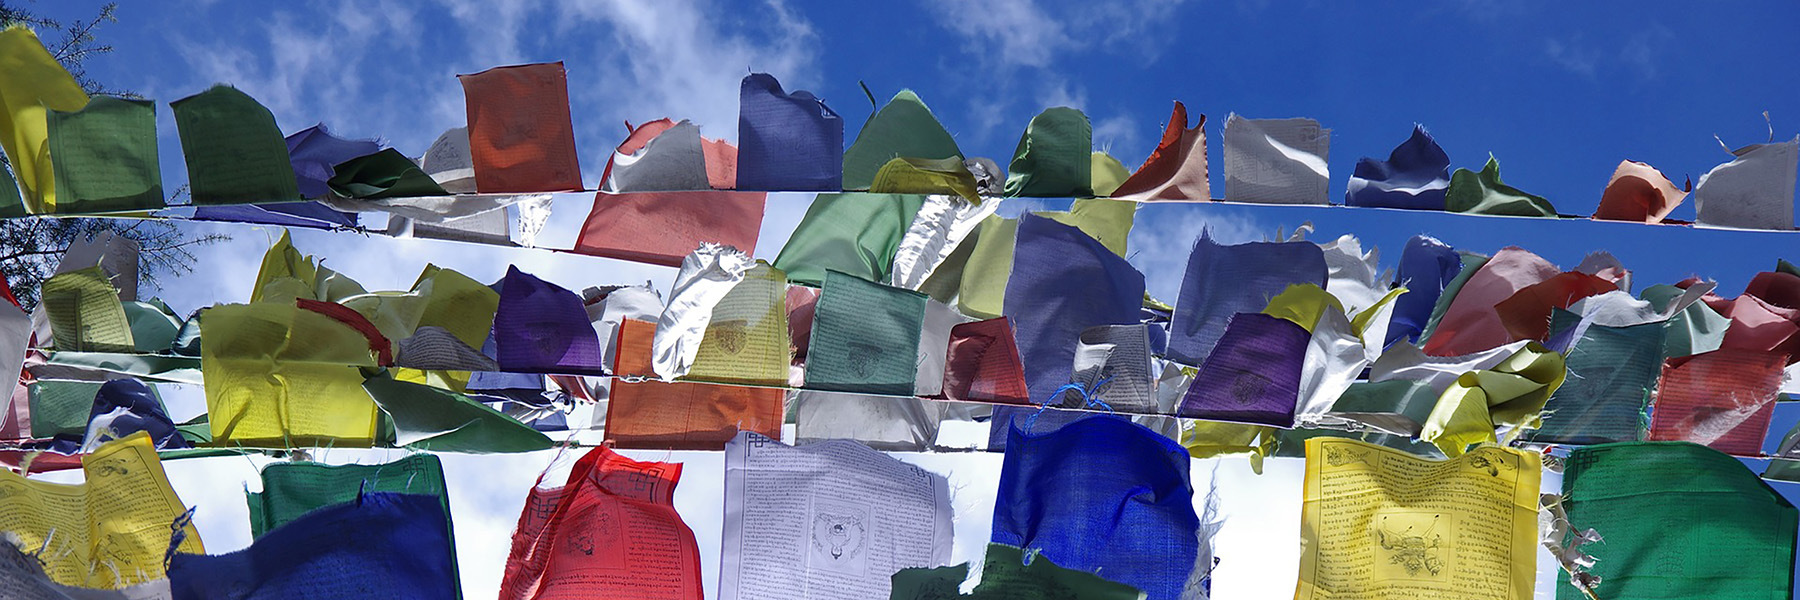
1722,399
1253,375
855,234
681,416
983,364
786,141
1612,373
35,83
1222,281
865,337
233,149
881,422
282,376
380,545
746,338
662,228
521,136
1276,161
611,531
1102,495
1678,521
105,156
542,328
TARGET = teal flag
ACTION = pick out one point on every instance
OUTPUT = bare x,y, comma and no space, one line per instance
105,157
1054,158
235,153
855,234
905,128
865,337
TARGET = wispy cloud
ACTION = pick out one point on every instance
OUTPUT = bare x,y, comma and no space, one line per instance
1572,56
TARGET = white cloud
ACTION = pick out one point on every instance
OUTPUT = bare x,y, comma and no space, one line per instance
1163,235
1572,55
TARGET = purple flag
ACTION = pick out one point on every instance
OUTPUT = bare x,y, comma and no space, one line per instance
542,328
1223,281
1253,375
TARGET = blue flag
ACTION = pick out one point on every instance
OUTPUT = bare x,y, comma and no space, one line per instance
1427,266
1414,176
787,142
1102,495
383,545
1222,281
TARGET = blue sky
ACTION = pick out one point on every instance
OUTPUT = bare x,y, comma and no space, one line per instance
1559,92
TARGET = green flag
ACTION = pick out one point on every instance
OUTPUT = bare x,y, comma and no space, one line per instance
856,234
1054,158
234,151
1483,194
1679,520
439,420
105,157
904,128
1007,575
865,337
384,174
61,407
11,205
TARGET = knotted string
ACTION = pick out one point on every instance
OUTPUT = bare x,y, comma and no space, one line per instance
1090,398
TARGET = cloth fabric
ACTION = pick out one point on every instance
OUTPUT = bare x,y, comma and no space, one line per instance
662,228
85,313
746,339
1734,535
854,234
521,137
1008,573
658,156
884,423
291,489
1509,396
786,141
542,328
682,416
60,408
984,364
311,215
1415,176
1112,362
1427,266
596,535
865,337
1253,375
1222,281
1276,161
1052,158
282,376
939,239
233,149
707,277
314,152
981,292
905,175
1101,495
391,545
1612,374
1638,192
1526,313
425,417
35,85
1722,399
122,407
1397,407
1353,276
384,174
904,128
1751,191
1176,169
1063,282
1470,323
1483,194
105,156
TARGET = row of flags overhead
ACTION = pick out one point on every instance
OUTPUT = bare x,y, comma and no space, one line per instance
519,139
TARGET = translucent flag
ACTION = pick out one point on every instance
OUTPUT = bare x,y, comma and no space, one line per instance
383,544
1484,194
786,141
1753,191
1276,161
707,275
688,416
746,340
661,228
610,532
542,328
1638,192
1101,495
1612,374
424,417
384,174
35,84
849,518
314,152
521,137
865,337
983,364
85,313
1052,159
884,423
1722,399
110,531
658,156
1382,523
60,408
233,149
105,156
982,289
1176,169
1222,281
282,376
1114,362
904,128
1470,324
1677,521
1414,176
926,176
855,234
1427,266
1508,396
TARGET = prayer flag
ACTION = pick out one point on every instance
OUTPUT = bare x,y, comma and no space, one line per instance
786,141
1052,158
521,137
865,337
35,84
661,228
1414,176
234,151
1176,169
904,128
1483,194
855,234
1222,281
105,156
1276,161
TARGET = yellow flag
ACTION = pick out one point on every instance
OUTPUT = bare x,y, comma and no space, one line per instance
287,275
279,376
109,532
34,83
747,339
1511,396
1107,174
85,312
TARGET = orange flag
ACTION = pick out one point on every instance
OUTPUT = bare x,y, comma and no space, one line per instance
520,133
